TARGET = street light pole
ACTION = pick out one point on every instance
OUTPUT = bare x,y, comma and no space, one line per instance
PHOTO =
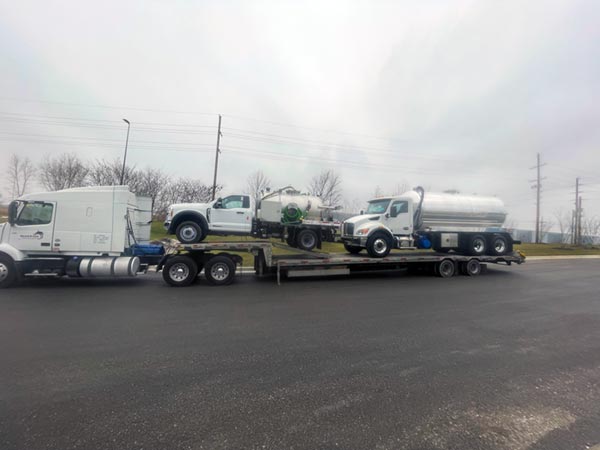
125,155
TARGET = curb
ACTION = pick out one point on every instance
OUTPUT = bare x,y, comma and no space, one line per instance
550,258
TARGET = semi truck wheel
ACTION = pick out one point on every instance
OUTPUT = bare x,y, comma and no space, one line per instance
379,245
499,246
445,268
471,268
352,249
189,233
476,245
8,272
180,271
219,270
307,240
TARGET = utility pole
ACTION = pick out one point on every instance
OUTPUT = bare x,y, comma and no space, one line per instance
218,150
538,187
576,214
580,210
125,154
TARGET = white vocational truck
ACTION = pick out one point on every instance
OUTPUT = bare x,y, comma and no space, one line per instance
85,232
103,231
468,225
302,219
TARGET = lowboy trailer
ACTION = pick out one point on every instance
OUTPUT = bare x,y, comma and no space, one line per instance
181,266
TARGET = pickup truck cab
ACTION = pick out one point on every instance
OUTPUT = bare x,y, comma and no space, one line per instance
192,222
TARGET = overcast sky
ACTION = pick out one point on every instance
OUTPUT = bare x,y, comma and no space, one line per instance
444,94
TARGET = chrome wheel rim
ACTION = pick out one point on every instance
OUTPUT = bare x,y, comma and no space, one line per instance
3,271
479,245
189,233
500,246
179,272
219,271
380,246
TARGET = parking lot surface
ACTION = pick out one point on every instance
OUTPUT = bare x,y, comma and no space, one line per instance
507,360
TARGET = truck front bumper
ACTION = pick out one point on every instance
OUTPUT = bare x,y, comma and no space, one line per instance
355,240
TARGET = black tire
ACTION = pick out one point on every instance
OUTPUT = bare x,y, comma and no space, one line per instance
498,246
446,268
307,240
291,240
219,270
180,271
476,245
379,245
471,268
8,272
189,232
352,249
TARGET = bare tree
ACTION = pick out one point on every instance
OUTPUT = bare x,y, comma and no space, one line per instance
378,192
401,188
151,184
62,172
108,173
590,229
563,221
256,184
545,227
327,186
19,173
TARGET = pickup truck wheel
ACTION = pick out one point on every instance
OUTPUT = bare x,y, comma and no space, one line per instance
499,246
180,271
477,245
307,240
8,272
445,268
379,245
189,233
219,270
352,249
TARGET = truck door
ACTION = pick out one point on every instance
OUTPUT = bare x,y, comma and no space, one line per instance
400,218
232,214
34,227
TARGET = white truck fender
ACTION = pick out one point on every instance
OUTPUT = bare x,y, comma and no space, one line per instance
15,254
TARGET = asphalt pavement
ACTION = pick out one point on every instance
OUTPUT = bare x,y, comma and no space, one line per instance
507,360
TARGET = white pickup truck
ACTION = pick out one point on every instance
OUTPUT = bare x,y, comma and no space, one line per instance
300,219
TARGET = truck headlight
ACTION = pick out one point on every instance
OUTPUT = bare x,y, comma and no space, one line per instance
169,214
362,231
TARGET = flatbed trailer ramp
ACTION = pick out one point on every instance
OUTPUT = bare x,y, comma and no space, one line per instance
219,260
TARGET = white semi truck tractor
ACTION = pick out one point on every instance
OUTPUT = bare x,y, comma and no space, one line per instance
301,219
86,232
468,225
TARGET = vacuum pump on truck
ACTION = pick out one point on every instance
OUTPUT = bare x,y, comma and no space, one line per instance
469,225
302,219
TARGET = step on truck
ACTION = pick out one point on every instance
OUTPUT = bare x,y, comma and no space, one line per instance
302,220
444,222
220,262
90,232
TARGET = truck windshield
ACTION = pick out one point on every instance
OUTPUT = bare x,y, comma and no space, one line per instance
378,206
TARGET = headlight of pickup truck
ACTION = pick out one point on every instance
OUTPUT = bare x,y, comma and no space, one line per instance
169,214
362,231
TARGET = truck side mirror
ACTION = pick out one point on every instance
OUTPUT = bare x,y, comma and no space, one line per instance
219,203
362,211
12,212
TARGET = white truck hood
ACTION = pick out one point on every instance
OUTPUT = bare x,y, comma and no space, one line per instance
363,218
176,207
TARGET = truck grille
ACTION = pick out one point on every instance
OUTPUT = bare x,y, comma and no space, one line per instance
348,229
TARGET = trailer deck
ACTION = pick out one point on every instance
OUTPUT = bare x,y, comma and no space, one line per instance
311,264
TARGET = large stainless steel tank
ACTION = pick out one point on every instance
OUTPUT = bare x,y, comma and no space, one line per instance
275,206
443,211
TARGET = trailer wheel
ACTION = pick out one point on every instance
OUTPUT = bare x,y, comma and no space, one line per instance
471,268
477,245
379,245
190,232
180,271
352,249
307,240
8,272
445,268
499,246
219,270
